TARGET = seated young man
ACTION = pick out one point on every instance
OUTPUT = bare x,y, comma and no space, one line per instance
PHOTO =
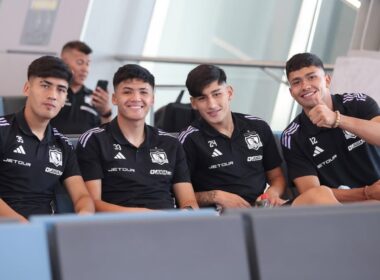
128,165
34,156
335,140
232,157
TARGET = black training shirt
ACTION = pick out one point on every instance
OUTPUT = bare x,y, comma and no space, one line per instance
78,115
30,168
133,177
237,164
337,157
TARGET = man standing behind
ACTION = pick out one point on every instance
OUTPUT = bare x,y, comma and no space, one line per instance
128,165
333,141
232,157
84,109
35,156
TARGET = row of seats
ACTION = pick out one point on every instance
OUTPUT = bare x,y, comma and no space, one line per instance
340,242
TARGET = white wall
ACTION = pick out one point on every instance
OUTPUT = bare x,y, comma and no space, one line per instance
15,56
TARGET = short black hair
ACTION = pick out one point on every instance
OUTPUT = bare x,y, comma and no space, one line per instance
130,72
77,45
203,75
50,66
301,60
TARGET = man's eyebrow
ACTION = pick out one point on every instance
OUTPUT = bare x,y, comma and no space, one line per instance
50,84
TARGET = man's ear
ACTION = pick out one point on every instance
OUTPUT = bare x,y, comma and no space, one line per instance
230,92
328,80
193,103
26,88
114,101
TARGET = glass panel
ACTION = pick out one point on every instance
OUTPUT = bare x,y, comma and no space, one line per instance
248,30
334,30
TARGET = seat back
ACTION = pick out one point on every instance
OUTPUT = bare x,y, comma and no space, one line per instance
12,104
24,252
169,248
316,242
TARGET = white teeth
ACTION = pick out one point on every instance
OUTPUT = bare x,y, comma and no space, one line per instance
308,94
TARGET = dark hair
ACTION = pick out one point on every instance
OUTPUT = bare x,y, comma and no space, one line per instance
132,71
203,75
50,66
302,60
77,45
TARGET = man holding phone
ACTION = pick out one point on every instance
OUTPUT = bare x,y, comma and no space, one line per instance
84,109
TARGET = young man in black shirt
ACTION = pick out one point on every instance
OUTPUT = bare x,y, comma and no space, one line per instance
232,157
335,140
128,165
84,109
35,156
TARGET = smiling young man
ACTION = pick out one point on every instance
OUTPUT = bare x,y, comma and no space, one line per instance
232,157
335,140
128,165
35,156
84,108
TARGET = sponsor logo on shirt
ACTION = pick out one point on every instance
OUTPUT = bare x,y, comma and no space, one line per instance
55,156
254,158
317,151
121,169
19,150
158,156
219,165
119,155
160,172
18,162
253,140
356,144
328,161
53,171
349,135
216,153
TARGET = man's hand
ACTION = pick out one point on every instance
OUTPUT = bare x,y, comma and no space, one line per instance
322,116
275,199
373,191
100,100
230,200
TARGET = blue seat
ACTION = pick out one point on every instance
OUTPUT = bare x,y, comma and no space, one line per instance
24,252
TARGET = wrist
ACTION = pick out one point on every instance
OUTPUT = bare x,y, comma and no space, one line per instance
365,193
337,119
107,114
215,197
272,192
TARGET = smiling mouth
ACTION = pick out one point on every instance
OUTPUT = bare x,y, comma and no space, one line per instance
213,113
135,106
308,94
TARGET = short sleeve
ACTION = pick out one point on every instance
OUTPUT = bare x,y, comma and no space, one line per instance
181,172
362,106
272,158
72,167
89,159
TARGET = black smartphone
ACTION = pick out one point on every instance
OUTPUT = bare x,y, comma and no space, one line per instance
102,84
